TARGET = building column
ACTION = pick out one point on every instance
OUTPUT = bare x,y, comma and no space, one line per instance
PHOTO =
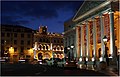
74,43
102,35
94,38
82,42
35,49
88,40
77,41
118,40
112,38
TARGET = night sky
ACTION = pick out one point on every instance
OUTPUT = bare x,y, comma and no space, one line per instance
32,14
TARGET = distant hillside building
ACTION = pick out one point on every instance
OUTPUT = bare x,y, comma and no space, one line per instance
16,42
47,44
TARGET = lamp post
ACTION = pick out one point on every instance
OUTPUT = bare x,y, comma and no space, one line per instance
72,46
11,52
68,48
106,55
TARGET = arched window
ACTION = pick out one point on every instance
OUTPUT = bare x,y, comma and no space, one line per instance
43,40
40,47
54,41
57,40
58,48
40,40
61,41
61,48
44,47
54,47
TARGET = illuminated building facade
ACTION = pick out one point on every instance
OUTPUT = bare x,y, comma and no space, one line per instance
16,42
47,45
93,21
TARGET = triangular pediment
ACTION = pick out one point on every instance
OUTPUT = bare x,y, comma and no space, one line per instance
87,6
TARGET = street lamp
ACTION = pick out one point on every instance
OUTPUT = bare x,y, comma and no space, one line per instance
72,46
105,39
106,55
68,48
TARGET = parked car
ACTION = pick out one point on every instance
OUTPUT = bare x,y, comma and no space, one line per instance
44,61
61,63
71,64
40,61
21,61
50,62
53,61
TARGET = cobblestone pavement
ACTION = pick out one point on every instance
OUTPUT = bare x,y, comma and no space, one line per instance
44,70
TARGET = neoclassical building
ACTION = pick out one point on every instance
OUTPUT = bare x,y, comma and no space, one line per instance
47,44
86,30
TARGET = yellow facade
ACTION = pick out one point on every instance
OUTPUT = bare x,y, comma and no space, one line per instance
48,44
16,41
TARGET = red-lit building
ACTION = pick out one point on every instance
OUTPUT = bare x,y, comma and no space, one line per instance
86,30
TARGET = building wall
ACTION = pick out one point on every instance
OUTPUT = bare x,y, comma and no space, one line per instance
95,23
49,44
70,39
16,38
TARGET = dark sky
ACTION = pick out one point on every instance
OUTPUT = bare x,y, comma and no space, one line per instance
32,14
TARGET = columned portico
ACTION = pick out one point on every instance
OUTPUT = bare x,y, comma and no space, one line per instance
112,39
82,41
95,22
78,41
94,38
88,40
102,35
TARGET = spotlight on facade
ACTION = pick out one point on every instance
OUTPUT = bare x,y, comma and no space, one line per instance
80,59
100,59
11,50
68,48
72,46
119,51
93,59
86,59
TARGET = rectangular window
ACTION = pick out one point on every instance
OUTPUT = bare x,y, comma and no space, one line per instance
7,41
15,34
11,34
22,35
29,36
22,49
3,34
61,41
15,42
28,42
22,42
8,34
2,41
15,49
54,41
